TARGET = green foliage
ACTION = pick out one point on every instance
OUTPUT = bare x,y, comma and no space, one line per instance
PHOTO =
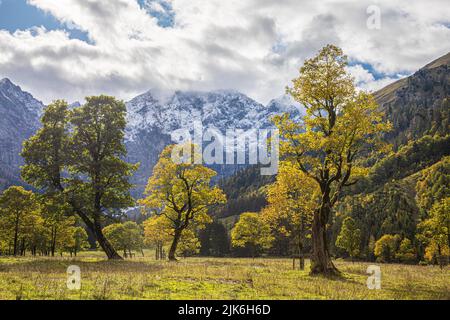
19,218
435,232
411,158
39,225
58,220
125,236
214,240
386,247
77,155
251,232
78,241
392,209
349,238
434,184
406,252
244,191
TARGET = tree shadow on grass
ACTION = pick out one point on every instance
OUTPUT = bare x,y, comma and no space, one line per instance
60,266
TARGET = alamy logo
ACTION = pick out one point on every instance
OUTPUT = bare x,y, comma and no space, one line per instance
374,20
374,280
73,277
236,146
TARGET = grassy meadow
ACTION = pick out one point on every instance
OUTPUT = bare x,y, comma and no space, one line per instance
210,278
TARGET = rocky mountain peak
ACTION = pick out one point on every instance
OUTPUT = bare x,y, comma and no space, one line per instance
12,95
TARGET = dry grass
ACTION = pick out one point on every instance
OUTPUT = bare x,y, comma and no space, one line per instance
211,278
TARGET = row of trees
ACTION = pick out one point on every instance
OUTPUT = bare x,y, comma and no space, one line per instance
46,226
258,235
42,226
77,157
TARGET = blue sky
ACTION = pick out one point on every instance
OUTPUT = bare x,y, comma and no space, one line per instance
17,14
161,10
74,48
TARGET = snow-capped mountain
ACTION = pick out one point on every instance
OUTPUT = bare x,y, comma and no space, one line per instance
19,119
221,109
152,118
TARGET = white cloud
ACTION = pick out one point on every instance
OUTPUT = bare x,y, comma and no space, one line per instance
254,46
366,81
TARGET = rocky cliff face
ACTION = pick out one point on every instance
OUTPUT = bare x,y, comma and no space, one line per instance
19,119
419,104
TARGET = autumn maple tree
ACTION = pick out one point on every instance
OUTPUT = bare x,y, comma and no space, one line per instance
157,232
251,232
291,202
180,191
341,126
19,215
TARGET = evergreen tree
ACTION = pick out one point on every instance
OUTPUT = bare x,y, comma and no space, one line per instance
435,232
214,240
349,238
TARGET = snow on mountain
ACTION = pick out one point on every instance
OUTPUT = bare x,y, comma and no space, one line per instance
152,118
286,103
224,109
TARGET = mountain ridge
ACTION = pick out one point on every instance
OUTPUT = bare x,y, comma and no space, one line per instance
416,105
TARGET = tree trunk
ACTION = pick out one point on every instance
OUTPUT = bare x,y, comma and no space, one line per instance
302,262
440,257
22,247
96,230
53,244
104,243
16,235
173,247
301,256
320,259
161,252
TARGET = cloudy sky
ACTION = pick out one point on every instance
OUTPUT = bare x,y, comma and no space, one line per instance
73,48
